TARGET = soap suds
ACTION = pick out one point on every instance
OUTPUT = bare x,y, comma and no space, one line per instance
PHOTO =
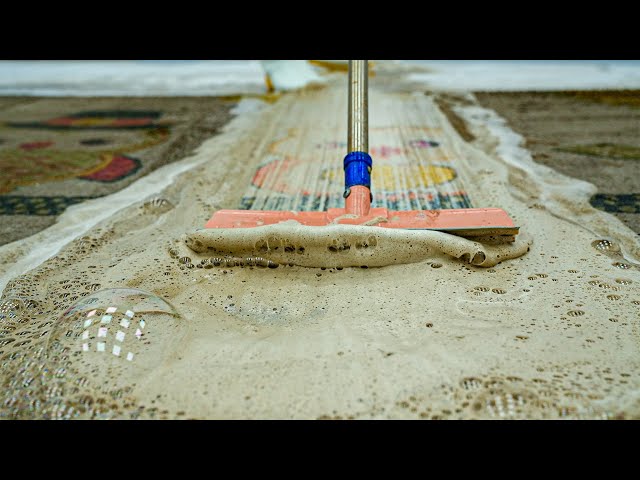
549,334
349,245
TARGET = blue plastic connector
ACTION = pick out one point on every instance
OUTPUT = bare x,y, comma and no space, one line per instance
357,169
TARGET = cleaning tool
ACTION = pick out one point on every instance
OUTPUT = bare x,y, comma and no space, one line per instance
468,222
356,235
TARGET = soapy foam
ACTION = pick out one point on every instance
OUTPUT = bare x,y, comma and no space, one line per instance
549,334
349,245
290,74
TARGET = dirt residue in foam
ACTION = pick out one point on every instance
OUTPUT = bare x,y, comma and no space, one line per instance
290,243
550,334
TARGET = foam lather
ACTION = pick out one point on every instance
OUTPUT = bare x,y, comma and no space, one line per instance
349,245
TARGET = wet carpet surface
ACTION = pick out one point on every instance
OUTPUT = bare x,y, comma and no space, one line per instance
590,135
57,152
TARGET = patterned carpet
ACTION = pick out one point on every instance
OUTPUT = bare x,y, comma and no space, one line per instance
590,135
55,153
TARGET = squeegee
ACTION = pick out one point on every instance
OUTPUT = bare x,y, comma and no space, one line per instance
467,222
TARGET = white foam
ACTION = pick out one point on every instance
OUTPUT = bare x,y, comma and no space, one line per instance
139,78
507,75
233,77
247,105
290,74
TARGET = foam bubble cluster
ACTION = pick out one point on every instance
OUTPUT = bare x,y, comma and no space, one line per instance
349,245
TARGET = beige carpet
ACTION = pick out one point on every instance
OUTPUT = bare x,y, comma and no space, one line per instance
550,334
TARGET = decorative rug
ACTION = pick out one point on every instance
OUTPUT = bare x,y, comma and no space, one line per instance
590,135
57,152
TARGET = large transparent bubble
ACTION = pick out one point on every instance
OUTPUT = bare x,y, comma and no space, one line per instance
115,338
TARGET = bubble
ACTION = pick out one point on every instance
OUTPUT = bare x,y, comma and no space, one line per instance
227,262
115,337
623,281
261,246
621,265
605,246
85,242
336,246
364,243
157,205
499,291
575,313
613,297
471,383
11,308
436,265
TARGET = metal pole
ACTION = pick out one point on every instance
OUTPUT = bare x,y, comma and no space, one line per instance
358,106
